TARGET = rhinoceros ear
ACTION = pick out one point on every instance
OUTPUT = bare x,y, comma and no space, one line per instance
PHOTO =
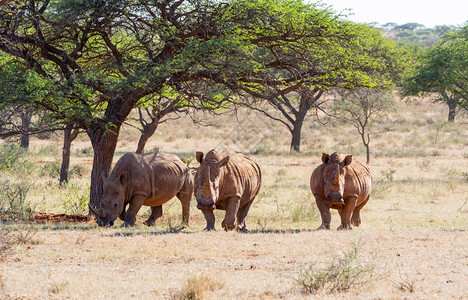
223,161
325,158
348,160
123,177
199,156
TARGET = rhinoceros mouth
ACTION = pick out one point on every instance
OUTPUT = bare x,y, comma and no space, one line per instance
102,223
336,203
207,207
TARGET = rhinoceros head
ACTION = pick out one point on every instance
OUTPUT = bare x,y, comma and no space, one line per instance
334,177
112,201
207,180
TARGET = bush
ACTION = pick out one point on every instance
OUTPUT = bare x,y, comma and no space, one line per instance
50,169
48,150
77,170
344,272
88,151
13,203
187,158
75,200
304,212
10,155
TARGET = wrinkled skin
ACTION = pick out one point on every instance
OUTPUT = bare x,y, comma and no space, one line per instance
343,184
144,179
227,182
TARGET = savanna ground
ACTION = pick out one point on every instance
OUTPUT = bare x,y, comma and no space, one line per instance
412,242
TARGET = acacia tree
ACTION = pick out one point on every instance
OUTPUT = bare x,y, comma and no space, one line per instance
360,107
20,91
19,111
293,108
325,53
443,69
105,56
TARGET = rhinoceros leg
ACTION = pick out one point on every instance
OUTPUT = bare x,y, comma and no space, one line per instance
156,212
243,211
356,218
346,211
210,219
122,215
324,209
232,207
185,196
135,204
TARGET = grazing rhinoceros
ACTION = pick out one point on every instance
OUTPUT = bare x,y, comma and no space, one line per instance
227,182
342,184
144,179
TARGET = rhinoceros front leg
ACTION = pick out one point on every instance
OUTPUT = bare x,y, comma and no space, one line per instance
346,211
229,222
156,212
324,209
122,215
134,206
210,219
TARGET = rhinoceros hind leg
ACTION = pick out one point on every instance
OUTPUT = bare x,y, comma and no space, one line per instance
156,212
185,195
241,214
356,218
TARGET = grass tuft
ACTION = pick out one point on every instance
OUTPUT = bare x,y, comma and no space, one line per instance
197,288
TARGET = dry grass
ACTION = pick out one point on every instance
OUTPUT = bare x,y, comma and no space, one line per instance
198,287
415,223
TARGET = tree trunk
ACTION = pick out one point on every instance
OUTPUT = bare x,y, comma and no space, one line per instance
69,136
297,129
367,153
452,109
104,144
25,122
366,144
296,137
147,132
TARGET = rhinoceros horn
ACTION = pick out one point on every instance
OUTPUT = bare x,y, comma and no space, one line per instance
336,180
95,211
207,178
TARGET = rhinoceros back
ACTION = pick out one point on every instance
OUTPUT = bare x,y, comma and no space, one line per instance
157,176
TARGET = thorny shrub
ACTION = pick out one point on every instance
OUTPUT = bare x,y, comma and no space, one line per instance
343,273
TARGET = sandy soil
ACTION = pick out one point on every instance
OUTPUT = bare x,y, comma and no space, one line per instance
121,264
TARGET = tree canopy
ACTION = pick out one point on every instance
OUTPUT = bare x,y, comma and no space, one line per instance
443,69
105,57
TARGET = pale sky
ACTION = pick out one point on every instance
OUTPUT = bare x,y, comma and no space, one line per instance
429,12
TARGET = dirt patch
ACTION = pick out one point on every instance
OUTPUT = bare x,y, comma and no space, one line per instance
61,218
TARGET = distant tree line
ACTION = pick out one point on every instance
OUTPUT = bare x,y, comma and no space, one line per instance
414,33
